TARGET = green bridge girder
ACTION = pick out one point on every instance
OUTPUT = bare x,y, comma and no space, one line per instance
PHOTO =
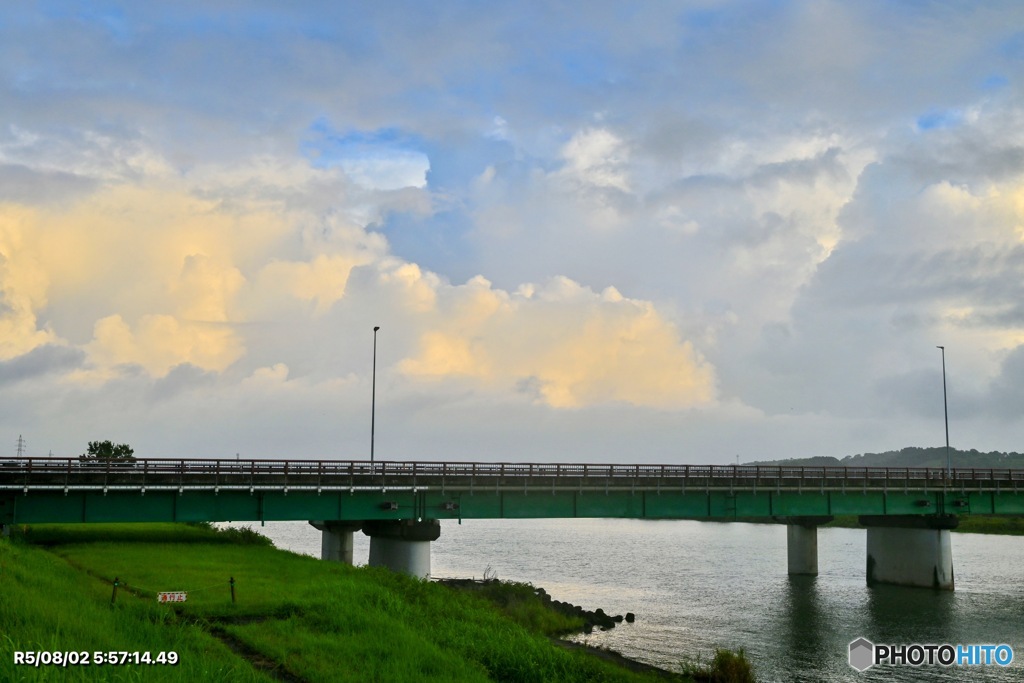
39,490
41,506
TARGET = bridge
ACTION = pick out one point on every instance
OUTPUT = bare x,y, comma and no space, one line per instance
908,512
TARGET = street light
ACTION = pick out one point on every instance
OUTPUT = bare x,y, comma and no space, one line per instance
373,395
945,407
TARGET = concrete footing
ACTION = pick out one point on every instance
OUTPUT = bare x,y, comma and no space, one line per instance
402,545
336,540
802,543
910,551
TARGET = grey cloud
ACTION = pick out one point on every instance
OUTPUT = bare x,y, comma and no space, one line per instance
1006,316
182,378
971,157
917,393
672,136
826,164
1006,394
986,147
863,275
865,325
43,360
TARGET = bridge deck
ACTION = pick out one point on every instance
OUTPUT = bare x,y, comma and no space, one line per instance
66,489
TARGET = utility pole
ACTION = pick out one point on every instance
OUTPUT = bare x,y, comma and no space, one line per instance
21,446
373,395
945,408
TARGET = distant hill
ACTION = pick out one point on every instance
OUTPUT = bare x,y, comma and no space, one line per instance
910,457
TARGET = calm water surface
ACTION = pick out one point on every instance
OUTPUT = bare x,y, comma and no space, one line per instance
695,586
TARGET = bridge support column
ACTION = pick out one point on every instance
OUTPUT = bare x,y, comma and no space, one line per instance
402,545
336,539
802,543
911,550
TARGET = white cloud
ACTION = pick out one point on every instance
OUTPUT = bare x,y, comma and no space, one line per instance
597,157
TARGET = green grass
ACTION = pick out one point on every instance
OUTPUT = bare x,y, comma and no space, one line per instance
725,667
521,603
975,524
47,605
315,620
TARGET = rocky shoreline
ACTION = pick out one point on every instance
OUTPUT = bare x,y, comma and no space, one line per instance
596,619
591,620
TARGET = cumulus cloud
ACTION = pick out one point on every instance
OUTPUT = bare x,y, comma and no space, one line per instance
159,343
932,255
178,277
569,345
321,281
23,286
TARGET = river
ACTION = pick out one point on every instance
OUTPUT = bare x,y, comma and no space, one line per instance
695,586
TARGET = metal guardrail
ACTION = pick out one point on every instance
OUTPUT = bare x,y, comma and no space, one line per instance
167,473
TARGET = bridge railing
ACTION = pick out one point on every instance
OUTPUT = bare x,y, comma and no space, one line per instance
183,473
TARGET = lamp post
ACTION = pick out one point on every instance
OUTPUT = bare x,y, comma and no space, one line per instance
945,407
373,394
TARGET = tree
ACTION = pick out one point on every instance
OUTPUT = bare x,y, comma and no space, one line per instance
102,452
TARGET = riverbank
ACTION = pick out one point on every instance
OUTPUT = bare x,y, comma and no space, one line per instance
294,618
556,618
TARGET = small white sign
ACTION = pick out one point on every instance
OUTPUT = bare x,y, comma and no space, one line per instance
173,596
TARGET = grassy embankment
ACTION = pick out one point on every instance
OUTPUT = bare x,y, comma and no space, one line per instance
296,618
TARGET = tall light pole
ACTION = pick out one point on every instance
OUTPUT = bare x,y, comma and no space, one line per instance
373,395
945,407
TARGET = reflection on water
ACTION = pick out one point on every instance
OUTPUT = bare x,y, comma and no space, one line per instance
696,586
895,614
803,625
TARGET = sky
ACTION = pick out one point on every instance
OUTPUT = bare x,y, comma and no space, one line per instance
667,232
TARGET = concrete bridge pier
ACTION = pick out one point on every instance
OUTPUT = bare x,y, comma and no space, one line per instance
402,545
802,543
336,539
910,550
